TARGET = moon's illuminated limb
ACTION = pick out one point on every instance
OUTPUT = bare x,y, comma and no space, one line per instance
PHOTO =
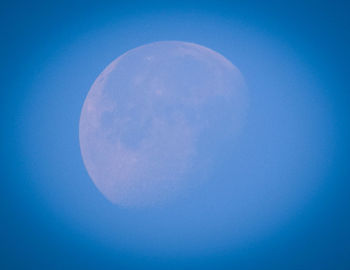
147,113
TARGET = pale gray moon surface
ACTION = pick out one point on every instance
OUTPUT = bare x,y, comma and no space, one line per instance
155,116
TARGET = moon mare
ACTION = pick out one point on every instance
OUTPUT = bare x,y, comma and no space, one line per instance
154,118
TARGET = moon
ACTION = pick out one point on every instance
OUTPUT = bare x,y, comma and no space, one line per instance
154,119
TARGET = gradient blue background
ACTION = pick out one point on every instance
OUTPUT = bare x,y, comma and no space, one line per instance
52,216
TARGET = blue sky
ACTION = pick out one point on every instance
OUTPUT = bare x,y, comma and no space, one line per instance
279,198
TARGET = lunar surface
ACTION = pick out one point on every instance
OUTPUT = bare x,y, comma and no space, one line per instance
154,119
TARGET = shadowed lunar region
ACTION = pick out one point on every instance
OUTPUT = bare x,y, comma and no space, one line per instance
157,115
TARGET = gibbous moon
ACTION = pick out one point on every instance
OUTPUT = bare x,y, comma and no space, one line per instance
154,119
